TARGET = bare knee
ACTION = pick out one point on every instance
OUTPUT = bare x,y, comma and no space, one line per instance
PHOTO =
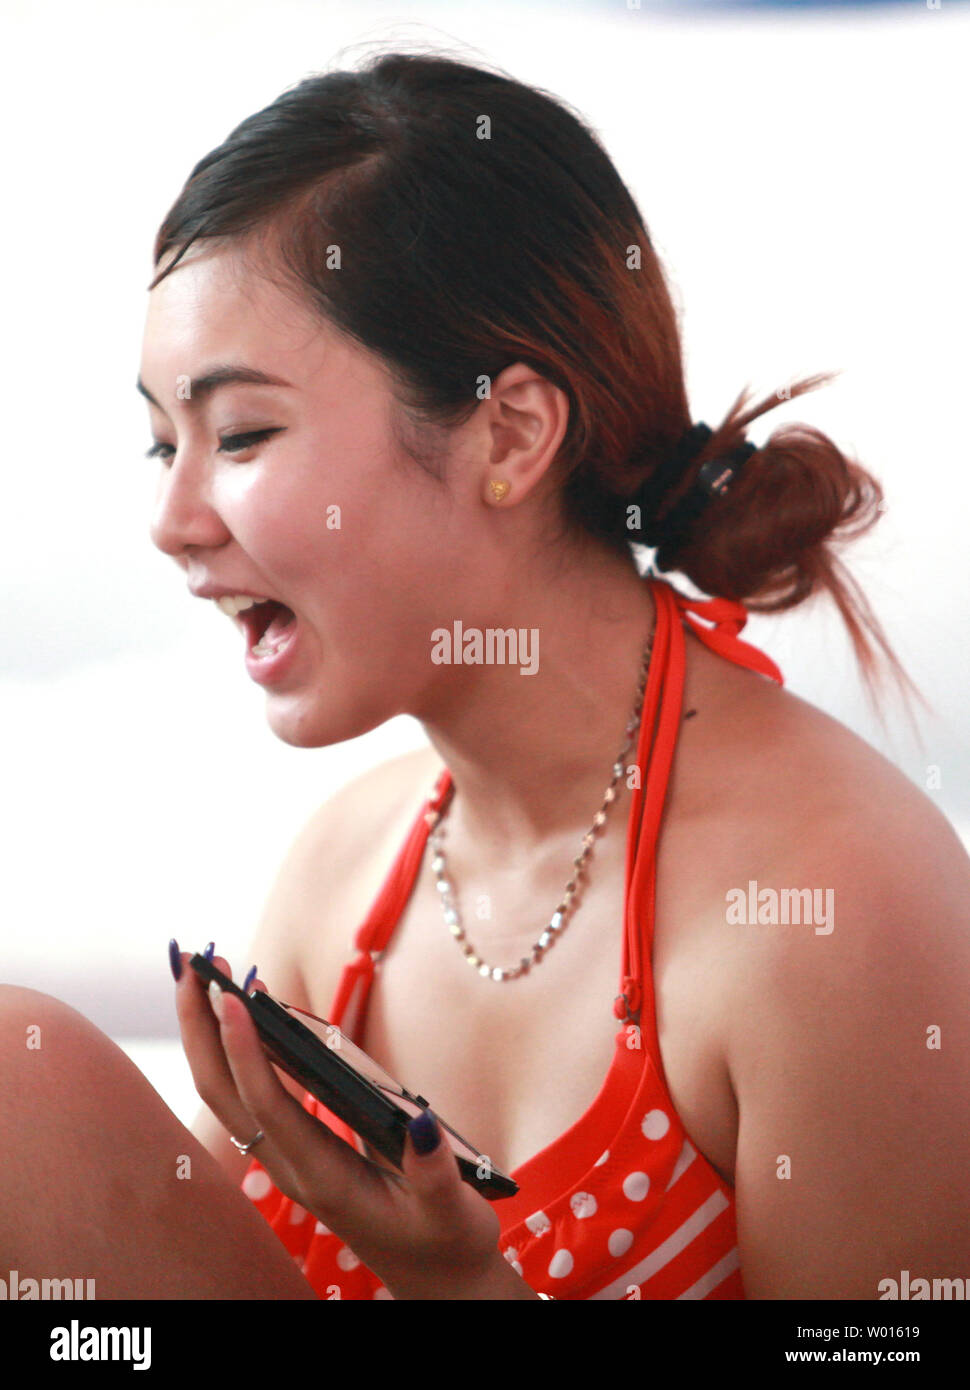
98,1171
50,1053
69,1099
26,1014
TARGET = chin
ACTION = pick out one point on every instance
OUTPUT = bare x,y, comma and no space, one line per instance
314,727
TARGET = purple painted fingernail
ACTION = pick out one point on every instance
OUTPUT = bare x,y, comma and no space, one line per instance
174,959
424,1132
249,979
210,950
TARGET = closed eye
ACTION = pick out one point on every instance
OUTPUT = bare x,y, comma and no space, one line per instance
231,444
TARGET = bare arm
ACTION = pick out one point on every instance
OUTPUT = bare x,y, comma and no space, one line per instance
850,1059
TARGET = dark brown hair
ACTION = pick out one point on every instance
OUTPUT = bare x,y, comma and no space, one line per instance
479,222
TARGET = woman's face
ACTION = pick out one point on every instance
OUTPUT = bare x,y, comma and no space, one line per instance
322,515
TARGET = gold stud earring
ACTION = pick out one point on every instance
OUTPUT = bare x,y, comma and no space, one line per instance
499,489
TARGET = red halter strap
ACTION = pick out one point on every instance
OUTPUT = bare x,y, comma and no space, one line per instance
659,726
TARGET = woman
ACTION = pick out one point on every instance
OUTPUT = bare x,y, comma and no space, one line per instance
411,362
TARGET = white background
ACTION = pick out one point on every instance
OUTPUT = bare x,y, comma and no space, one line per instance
802,176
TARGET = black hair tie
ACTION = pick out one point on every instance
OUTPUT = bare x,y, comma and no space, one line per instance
714,477
663,478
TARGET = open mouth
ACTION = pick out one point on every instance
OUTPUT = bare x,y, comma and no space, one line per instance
267,624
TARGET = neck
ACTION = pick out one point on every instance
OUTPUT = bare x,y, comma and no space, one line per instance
532,754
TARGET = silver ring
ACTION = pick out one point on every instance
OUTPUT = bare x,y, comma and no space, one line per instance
244,1148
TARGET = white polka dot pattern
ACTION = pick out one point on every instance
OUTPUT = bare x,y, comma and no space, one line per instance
257,1185
538,1223
619,1242
655,1124
636,1186
583,1205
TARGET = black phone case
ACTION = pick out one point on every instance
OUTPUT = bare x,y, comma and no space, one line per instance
359,1102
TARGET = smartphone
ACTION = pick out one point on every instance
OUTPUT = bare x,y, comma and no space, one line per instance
349,1083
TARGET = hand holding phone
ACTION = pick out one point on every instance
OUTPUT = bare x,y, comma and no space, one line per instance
426,1225
351,1084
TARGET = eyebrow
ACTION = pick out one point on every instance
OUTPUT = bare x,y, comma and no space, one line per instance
230,374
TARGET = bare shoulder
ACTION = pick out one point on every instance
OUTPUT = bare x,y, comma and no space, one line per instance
838,900
799,787
829,799
338,860
354,821
808,804
826,872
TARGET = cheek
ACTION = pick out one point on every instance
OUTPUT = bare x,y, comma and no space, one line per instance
368,558
286,534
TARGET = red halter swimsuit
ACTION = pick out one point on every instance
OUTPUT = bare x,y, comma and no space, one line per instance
622,1205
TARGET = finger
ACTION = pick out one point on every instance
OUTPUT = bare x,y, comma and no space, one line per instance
194,1009
429,1163
304,1157
202,1044
457,1225
447,1202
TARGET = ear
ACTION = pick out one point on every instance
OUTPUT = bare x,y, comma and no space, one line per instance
525,418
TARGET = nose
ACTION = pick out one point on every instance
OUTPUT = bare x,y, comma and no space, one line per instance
184,514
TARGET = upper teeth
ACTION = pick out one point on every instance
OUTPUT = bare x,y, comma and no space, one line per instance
235,603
